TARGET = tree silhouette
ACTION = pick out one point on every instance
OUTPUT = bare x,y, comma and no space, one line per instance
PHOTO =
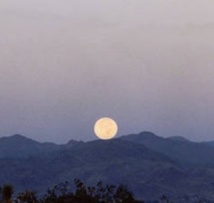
27,196
62,193
7,191
122,194
99,193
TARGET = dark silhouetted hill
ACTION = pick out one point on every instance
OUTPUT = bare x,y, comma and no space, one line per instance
18,146
148,164
181,150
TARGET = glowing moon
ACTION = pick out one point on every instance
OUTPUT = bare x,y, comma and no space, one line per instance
105,128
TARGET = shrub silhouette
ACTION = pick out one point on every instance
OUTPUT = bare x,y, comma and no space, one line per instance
62,193
27,196
92,194
6,193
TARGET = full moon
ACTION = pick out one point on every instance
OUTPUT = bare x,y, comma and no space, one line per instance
105,128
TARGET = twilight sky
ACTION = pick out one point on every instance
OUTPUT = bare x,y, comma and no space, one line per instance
149,64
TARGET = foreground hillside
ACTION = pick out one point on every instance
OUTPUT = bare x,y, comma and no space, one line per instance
149,165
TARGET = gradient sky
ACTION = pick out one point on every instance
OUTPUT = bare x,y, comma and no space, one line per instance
149,64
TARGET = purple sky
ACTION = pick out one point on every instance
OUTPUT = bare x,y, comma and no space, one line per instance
148,64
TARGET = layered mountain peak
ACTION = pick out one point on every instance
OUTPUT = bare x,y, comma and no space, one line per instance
16,137
142,137
19,146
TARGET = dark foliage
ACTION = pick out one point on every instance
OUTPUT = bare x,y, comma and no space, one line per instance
62,193
91,194
6,193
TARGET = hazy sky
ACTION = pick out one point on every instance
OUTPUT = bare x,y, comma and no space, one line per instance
149,64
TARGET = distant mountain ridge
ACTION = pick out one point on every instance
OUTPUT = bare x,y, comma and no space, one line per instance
150,165
180,149
19,146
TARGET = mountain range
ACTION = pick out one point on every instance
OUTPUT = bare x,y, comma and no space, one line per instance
151,166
